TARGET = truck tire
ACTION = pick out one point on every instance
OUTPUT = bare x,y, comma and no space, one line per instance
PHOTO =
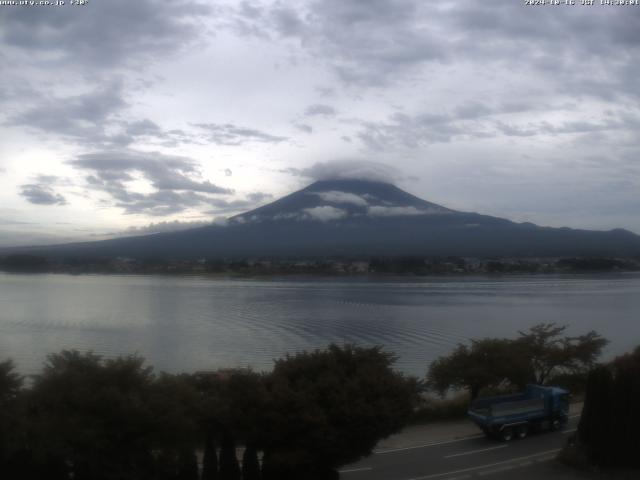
523,431
506,434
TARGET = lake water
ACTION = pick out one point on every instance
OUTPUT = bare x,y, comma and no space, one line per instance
193,323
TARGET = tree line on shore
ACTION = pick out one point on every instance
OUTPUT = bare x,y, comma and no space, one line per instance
392,265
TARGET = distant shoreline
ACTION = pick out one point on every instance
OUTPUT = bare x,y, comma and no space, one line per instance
377,267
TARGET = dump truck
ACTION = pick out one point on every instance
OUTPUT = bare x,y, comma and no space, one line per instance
513,416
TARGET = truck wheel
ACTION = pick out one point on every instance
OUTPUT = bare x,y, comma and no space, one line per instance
506,434
523,431
555,425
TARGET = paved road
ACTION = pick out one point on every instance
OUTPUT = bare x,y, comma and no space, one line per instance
470,458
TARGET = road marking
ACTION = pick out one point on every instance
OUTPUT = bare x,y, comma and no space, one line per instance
489,465
496,470
351,470
545,459
475,451
471,437
564,432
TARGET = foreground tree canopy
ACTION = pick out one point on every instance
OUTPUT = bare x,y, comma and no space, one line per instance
610,421
539,355
331,407
89,418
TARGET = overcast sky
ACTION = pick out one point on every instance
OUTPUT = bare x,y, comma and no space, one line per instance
133,116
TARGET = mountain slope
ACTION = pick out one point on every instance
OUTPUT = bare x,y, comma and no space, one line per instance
360,218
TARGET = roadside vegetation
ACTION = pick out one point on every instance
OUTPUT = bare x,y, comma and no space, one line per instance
89,418
607,435
542,355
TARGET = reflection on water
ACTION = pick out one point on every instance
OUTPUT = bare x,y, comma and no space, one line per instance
191,323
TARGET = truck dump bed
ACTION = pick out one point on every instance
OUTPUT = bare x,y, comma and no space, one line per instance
517,407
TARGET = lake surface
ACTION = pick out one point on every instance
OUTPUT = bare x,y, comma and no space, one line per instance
194,323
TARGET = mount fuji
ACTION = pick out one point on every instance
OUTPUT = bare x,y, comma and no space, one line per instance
357,218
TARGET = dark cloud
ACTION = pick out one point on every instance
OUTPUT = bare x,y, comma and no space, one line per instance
252,200
94,119
177,180
39,194
303,127
619,122
223,207
363,41
49,179
162,203
103,34
165,172
320,110
257,197
58,50
160,227
7,221
229,134
516,131
476,121
143,127
377,42
349,169
82,118
287,21
413,131
472,110
150,132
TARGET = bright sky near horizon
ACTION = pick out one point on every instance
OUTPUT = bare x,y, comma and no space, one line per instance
121,116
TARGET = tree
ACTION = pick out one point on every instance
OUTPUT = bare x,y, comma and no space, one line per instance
10,382
250,463
536,356
210,458
233,400
596,419
10,388
24,263
330,407
93,414
548,353
609,425
229,468
489,362
188,465
626,418
112,418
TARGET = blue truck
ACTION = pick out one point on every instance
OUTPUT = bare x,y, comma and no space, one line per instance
514,416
